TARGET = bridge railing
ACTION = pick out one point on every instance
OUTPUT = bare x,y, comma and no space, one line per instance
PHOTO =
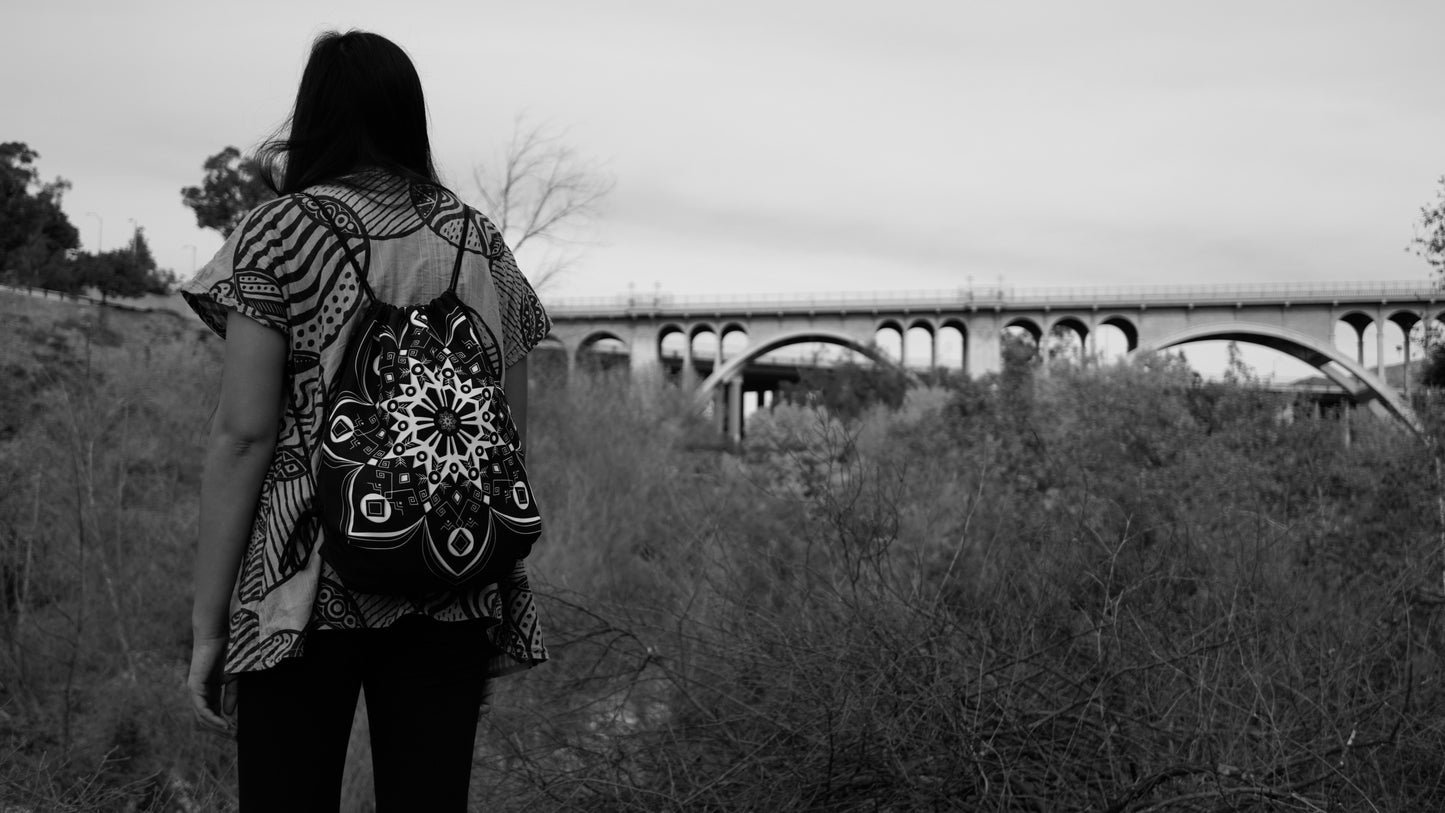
1003,296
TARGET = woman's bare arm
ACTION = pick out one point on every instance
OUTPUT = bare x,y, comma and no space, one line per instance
243,438
238,453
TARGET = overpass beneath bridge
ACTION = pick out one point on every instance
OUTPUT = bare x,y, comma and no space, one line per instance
1298,319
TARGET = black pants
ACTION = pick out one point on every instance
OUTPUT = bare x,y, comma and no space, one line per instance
424,683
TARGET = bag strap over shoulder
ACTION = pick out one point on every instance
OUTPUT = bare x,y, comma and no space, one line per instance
461,250
361,272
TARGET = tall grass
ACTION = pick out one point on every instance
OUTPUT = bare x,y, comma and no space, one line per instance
103,412
1104,591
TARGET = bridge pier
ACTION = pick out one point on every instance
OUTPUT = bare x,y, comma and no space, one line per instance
644,356
720,408
984,349
689,373
1407,322
727,409
1380,343
735,410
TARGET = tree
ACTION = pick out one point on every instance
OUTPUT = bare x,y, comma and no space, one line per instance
1020,356
540,192
1018,351
1432,374
125,272
848,389
34,231
1430,245
232,187
1064,345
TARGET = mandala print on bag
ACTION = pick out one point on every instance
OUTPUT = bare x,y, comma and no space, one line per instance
421,484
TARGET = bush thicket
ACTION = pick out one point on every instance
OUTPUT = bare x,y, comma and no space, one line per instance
1111,589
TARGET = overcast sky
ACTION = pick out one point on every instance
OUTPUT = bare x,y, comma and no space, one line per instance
789,146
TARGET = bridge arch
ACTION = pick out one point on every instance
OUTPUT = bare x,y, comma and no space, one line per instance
1406,320
960,327
1080,331
700,348
670,329
727,332
1357,319
1016,328
1125,326
680,348
1364,387
1431,325
549,359
1073,323
734,365
890,334
957,324
600,336
921,336
592,352
1029,326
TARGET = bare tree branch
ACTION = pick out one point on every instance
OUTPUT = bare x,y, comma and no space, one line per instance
541,192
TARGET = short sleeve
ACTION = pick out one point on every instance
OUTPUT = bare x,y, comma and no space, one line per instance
524,321
245,275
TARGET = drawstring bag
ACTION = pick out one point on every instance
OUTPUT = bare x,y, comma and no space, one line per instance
420,487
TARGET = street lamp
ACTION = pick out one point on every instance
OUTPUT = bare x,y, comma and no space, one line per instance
99,230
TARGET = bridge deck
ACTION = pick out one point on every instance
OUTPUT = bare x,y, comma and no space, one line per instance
1002,298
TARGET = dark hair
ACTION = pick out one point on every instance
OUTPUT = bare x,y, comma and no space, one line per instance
360,105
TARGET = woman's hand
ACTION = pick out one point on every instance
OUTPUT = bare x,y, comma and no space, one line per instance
213,699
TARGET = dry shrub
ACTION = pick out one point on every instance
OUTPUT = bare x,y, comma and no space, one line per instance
97,521
1112,591
1125,592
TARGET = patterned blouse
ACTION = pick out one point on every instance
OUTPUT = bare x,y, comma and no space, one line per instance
285,268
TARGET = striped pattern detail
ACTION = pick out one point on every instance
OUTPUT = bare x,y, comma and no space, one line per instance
524,320
249,645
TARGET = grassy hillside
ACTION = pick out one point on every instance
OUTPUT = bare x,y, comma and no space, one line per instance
104,412
1114,591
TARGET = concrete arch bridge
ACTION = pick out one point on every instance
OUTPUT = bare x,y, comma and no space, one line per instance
723,345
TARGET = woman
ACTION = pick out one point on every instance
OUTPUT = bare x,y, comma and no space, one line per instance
271,618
